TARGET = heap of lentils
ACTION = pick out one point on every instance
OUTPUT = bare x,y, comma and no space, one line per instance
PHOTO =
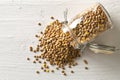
55,46
54,49
92,23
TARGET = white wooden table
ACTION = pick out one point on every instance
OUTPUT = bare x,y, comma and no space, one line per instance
18,24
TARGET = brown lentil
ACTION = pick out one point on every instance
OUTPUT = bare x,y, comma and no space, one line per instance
31,48
42,68
37,49
39,56
45,70
63,71
86,68
72,71
44,62
69,66
40,62
37,72
36,36
34,61
76,63
52,71
44,65
52,17
37,59
64,74
39,24
35,56
28,59
47,67
41,32
63,68
34,51
57,68
41,50
85,61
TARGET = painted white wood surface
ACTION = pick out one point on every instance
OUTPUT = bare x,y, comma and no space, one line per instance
18,24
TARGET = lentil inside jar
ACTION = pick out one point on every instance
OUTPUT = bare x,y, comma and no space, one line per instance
85,26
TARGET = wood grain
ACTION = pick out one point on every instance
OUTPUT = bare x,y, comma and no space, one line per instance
18,24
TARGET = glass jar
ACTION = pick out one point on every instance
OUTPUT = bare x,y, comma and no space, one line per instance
87,25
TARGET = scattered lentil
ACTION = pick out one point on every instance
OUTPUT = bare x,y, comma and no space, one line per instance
36,36
57,68
28,59
86,68
35,56
37,72
72,71
41,50
47,67
39,56
42,68
52,71
85,61
41,32
47,70
69,66
63,71
44,65
64,74
34,61
37,59
31,48
76,63
63,68
37,49
52,17
34,51
39,24
44,62
40,62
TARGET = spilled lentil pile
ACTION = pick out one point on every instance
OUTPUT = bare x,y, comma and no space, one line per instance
54,49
